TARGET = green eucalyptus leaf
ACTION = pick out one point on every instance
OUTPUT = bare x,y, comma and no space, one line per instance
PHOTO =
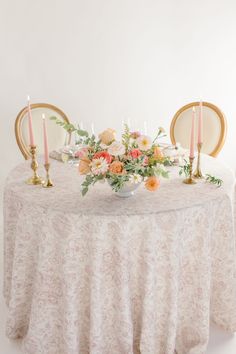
84,191
165,174
82,132
214,180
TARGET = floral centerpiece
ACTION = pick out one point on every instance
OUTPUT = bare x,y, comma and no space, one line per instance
126,163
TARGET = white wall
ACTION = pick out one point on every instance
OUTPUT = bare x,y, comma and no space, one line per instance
104,60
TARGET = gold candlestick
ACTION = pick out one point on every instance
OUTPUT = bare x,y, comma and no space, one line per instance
198,172
35,179
48,183
190,179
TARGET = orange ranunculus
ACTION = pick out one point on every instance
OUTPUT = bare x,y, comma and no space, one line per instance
152,183
157,153
107,136
84,167
117,168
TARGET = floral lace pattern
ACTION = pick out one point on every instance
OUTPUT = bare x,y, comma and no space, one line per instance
103,275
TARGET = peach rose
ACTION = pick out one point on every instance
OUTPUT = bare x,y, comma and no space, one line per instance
84,167
117,168
152,183
107,136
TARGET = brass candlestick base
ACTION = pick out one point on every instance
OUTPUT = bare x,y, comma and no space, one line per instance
35,179
198,172
190,179
48,183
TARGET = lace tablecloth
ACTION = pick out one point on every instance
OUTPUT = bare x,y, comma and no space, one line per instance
104,275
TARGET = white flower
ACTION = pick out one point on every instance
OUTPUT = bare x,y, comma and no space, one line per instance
135,179
99,166
116,149
144,142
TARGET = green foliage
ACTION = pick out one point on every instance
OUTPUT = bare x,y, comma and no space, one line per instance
90,180
135,166
117,181
70,128
126,137
214,180
162,172
167,162
185,169
83,135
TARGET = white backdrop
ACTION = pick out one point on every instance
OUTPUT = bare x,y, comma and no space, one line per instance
106,60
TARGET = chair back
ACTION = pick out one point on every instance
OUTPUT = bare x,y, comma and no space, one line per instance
57,136
213,130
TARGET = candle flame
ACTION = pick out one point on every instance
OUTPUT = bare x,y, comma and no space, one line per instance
43,116
194,109
28,98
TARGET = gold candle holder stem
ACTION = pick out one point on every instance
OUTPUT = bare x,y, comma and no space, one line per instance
35,179
190,179
198,172
48,183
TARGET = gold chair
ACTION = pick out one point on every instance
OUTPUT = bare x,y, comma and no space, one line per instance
56,135
214,127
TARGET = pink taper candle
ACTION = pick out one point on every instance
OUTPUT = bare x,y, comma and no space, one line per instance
31,134
199,140
45,140
191,155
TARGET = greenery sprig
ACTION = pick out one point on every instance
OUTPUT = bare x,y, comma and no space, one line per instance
185,169
70,128
83,135
126,137
117,181
214,180
89,180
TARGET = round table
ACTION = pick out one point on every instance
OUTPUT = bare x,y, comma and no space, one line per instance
104,275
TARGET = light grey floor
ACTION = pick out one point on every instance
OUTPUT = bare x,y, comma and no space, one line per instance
220,342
